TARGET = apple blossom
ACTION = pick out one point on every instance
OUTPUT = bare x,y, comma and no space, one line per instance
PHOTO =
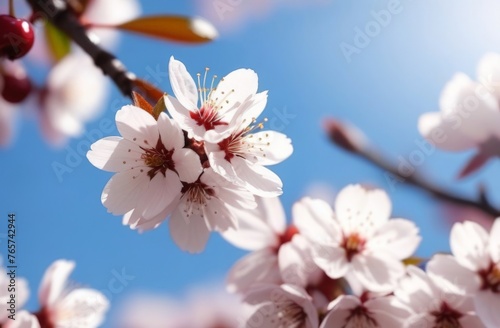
358,237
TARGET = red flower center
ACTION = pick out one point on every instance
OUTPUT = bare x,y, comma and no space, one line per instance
159,159
353,244
491,278
207,117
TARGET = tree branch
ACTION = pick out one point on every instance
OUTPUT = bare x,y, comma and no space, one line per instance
61,16
353,141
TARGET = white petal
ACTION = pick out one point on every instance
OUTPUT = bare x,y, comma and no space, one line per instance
296,263
183,85
251,111
180,114
487,305
115,154
359,209
452,277
472,321
469,244
376,273
136,125
316,221
187,164
443,131
255,268
82,307
235,88
257,179
190,236
398,237
171,135
217,216
488,73
494,242
54,282
260,227
417,292
269,147
332,260
123,190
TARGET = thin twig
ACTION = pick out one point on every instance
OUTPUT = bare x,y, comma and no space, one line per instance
58,13
353,141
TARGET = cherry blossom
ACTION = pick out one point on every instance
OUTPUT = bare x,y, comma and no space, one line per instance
367,310
74,94
24,319
433,302
469,118
219,105
358,238
68,307
279,254
149,162
474,267
285,306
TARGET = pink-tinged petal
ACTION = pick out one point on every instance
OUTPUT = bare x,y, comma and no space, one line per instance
469,244
121,193
452,277
358,208
331,259
218,217
471,321
81,307
138,222
476,116
336,319
187,164
183,85
378,274
24,319
398,237
474,164
192,235
115,154
494,242
417,292
179,113
444,132
171,134
260,227
7,116
255,268
420,320
488,73
254,107
161,192
219,163
268,147
301,297
387,311
235,88
487,304
257,179
296,263
136,125
315,220
54,282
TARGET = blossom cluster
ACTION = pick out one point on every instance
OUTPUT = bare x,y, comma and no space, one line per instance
61,303
198,165
352,266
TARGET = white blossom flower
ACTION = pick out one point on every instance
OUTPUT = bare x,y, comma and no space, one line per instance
469,118
74,94
366,310
150,163
358,238
206,204
488,73
218,107
279,254
474,267
433,302
66,307
285,306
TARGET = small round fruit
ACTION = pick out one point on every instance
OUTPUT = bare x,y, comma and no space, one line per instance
15,89
16,37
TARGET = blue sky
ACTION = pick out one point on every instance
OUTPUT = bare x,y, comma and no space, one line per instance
296,52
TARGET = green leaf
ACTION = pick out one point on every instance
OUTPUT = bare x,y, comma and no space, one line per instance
172,28
58,43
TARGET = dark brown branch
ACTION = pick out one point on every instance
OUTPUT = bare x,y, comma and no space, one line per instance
351,140
58,13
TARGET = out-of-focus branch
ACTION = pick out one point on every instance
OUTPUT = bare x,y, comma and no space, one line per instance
352,140
60,15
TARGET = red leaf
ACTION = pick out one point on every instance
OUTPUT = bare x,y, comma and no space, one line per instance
474,164
140,102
